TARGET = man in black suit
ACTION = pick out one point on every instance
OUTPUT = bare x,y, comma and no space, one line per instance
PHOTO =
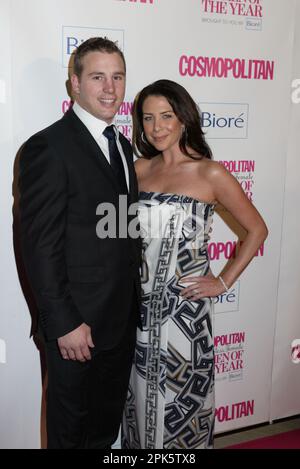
87,289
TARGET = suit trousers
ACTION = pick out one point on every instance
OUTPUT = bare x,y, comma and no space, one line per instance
85,401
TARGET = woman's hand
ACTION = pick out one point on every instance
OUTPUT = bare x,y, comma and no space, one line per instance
201,287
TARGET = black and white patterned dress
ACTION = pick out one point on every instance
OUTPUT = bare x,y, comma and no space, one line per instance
170,402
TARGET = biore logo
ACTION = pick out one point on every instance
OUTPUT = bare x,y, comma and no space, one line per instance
296,351
217,251
253,24
2,92
296,91
73,36
224,67
229,352
2,351
123,119
244,171
233,7
235,411
228,301
225,120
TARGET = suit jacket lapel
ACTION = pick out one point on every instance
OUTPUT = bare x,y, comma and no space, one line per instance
131,172
91,149
89,146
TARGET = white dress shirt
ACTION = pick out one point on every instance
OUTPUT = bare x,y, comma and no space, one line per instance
96,127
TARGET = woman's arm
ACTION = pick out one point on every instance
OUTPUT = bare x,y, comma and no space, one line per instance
228,192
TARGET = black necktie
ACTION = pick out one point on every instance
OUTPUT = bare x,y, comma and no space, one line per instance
115,158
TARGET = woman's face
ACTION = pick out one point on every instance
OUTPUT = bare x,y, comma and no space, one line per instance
162,128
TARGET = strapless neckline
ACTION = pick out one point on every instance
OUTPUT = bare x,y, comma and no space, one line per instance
180,196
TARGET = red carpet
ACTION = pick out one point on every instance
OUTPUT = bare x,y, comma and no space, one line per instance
286,440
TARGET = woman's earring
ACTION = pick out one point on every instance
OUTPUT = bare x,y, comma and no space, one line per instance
143,138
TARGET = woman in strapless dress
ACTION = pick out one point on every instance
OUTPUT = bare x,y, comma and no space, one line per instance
170,402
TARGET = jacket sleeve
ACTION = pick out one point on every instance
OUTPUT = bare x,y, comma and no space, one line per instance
43,186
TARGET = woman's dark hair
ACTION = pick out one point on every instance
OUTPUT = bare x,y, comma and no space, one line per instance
187,113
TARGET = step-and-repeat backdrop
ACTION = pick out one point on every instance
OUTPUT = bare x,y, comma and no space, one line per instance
236,59
286,358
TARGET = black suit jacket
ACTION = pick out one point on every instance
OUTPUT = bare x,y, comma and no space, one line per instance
76,277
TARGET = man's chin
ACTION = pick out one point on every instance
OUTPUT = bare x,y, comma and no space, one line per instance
107,116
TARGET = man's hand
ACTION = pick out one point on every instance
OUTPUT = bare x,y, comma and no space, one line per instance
75,345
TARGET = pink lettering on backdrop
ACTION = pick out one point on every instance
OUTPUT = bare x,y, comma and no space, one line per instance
251,8
221,67
228,250
244,171
235,411
229,339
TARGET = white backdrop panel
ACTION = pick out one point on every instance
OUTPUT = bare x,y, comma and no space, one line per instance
285,399
247,127
19,362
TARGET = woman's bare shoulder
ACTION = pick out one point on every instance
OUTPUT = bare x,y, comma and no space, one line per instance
140,162
142,165
212,169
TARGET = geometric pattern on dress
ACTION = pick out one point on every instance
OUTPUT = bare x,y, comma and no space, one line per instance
140,359
177,386
186,418
154,363
130,439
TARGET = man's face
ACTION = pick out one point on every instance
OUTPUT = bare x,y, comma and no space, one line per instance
100,89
